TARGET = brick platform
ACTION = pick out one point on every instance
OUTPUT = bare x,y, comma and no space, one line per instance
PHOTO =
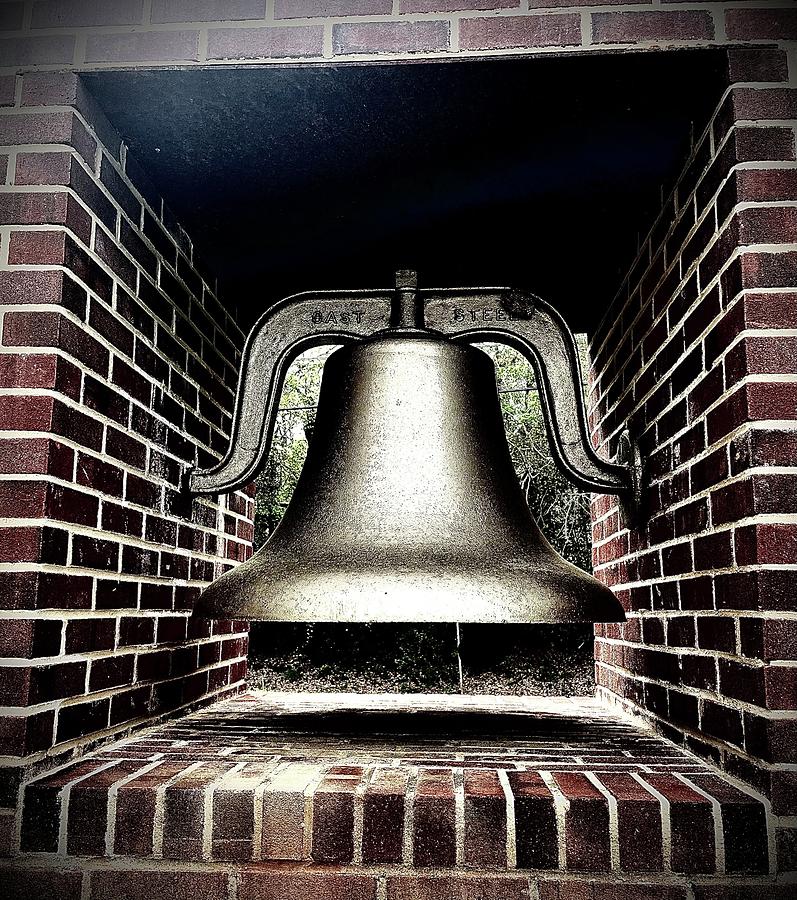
299,786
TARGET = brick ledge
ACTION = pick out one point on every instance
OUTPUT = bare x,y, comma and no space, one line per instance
444,783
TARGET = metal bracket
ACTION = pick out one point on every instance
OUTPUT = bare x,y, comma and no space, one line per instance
500,315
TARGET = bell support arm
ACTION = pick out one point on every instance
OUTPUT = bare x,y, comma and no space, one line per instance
290,327
539,333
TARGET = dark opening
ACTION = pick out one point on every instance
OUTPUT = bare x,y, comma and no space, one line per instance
539,174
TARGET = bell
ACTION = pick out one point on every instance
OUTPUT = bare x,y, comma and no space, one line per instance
408,508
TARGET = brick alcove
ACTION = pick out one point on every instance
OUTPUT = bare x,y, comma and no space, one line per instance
117,368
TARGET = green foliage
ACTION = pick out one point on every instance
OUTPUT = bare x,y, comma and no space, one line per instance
560,509
293,425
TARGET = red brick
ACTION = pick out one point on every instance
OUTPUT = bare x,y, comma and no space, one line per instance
507,32
383,816
88,635
759,104
135,810
781,687
21,736
485,820
49,50
691,822
30,638
184,812
758,64
234,813
457,887
389,37
743,825
47,128
68,505
112,671
766,544
87,813
443,6
42,806
304,9
761,185
45,208
722,722
586,823
71,13
93,553
761,24
26,883
433,831
752,144
276,884
118,594
629,27
206,10
144,885
333,819
144,46
266,43
57,682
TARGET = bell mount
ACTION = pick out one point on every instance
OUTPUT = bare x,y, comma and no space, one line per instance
471,315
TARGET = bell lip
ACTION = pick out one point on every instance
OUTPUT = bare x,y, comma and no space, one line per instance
591,602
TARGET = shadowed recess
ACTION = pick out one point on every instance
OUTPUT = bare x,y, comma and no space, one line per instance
540,174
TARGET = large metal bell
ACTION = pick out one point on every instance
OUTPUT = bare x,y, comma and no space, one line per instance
408,508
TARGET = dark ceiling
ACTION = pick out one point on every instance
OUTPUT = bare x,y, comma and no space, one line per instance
533,173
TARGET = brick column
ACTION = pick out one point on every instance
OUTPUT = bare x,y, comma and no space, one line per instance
117,363
699,353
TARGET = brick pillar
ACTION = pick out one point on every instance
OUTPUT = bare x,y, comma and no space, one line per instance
117,365
699,352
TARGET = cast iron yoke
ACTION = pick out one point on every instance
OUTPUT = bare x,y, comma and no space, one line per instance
469,315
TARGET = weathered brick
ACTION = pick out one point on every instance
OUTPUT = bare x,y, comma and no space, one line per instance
143,46
278,885
761,24
441,6
333,819
184,811
743,825
586,823
72,13
630,27
301,9
26,883
143,885
433,830
383,816
389,37
440,887
284,812
264,43
691,823
485,820
505,33
49,50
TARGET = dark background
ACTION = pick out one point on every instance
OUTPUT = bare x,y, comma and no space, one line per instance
539,174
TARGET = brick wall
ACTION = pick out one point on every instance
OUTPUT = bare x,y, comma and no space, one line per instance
115,356
699,350
116,367
99,34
